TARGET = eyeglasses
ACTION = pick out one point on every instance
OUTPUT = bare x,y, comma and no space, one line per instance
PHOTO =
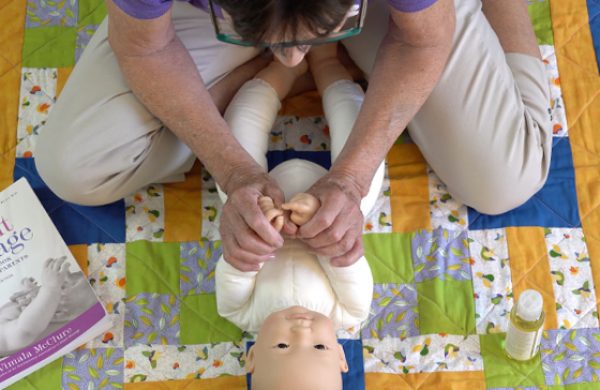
225,31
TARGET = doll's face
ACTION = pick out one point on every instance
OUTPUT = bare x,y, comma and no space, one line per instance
296,349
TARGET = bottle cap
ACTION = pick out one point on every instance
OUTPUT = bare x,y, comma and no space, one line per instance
530,305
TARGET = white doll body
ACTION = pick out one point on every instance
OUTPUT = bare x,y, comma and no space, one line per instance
295,277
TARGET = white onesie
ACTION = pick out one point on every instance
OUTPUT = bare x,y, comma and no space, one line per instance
295,276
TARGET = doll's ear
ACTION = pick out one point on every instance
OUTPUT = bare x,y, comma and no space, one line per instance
343,363
250,360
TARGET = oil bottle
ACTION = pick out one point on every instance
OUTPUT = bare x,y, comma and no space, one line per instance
525,326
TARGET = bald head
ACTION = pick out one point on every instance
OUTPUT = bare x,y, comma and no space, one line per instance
289,375
296,349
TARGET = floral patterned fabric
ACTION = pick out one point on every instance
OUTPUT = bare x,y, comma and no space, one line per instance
446,278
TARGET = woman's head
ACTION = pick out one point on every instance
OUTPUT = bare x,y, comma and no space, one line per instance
264,21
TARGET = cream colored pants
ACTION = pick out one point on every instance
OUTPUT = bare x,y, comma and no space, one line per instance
485,130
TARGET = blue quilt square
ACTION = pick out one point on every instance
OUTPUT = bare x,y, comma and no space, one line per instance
555,205
76,224
276,157
354,379
593,7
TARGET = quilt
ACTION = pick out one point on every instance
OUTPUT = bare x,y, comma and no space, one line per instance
446,276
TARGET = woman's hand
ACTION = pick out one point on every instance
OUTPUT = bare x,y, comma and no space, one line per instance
336,228
248,237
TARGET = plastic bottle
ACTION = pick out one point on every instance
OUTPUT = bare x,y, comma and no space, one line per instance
525,326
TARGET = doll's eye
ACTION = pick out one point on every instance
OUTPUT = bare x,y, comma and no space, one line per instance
282,346
320,347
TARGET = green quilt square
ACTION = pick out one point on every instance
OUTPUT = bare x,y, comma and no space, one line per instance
501,371
576,386
91,12
47,377
200,323
446,306
152,267
49,47
389,257
539,12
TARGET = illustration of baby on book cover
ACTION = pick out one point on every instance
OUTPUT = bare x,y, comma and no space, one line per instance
47,307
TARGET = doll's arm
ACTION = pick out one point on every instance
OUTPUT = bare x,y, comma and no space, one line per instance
234,289
353,287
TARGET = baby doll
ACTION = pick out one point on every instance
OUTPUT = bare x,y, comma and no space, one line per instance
297,300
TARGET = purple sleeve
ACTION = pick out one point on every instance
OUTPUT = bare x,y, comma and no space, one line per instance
144,9
410,5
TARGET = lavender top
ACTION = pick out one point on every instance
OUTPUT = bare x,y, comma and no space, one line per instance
410,5
150,9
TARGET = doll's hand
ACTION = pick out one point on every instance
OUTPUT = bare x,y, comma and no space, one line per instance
302,206
273,214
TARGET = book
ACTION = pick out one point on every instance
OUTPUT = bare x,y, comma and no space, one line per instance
47,306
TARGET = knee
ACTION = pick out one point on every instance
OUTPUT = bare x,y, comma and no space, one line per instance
498,196
59,169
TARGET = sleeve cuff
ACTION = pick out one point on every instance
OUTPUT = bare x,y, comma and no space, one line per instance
411,5
144,9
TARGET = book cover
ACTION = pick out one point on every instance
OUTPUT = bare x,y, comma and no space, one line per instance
47,307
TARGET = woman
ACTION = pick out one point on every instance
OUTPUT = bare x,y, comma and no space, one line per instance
465,76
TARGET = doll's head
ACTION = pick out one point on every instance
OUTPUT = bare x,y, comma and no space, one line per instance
296,349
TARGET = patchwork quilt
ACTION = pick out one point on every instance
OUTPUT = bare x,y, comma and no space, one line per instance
446,276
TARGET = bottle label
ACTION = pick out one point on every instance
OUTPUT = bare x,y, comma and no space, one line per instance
521,345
